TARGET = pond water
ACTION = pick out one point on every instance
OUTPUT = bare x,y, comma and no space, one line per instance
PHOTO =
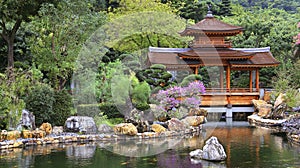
245,147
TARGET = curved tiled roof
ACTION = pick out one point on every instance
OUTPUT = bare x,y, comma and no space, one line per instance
210,25
213,53
235,57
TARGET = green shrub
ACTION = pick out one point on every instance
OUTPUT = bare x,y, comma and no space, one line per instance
40,101
158,66
110,110
102,119
62,107
3,123
92,110
190,79
141,93
142,106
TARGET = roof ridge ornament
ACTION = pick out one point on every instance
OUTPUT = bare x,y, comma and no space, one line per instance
209,12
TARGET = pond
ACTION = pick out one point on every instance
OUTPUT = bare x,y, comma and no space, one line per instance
245,147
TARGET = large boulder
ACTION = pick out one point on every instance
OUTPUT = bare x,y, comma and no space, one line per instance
212,151
264,110
262,107
267,96
47,127
81,124
38,134
193,120
10,135
292,125
26,134
135,116
104,128
27,121
279,100
198,112
57,130
175,124
158,128
125,129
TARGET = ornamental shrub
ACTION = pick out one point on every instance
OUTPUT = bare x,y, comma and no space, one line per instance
110,110
171,99
141,93
48,105
156,76
187,80
40,101
62,107
158,66
92,110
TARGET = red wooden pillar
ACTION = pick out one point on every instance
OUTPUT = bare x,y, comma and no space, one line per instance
228,78
250,80
196,70
221,69
257,79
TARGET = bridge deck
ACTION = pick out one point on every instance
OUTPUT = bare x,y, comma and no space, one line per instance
233,97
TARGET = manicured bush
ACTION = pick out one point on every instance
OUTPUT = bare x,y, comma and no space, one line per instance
142,106
62,107
48,105
190,79
92,110
156,75
110,110
141,93
158,66
40,101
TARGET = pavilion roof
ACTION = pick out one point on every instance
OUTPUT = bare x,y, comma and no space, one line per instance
177,58
171,60
211,26
262,58
215,53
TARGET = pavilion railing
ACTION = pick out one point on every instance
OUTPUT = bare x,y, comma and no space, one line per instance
231,90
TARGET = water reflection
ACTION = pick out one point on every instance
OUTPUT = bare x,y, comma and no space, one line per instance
245,147
142,147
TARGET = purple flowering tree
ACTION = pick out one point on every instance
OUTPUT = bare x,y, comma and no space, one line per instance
171,99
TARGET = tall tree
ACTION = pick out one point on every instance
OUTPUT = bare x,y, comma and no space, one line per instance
267,27
225,9
12,14
148,23
195,10
60,32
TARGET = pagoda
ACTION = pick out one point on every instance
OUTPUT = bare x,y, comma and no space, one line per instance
210,48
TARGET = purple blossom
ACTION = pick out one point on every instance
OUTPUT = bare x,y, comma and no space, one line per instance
175,91
170,103
194,88
191,102
168,98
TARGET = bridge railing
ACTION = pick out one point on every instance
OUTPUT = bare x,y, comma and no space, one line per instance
231,90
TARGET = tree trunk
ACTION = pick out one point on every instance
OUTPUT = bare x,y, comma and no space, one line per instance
10,55
9,37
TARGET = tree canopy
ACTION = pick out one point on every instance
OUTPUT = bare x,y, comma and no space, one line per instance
12,14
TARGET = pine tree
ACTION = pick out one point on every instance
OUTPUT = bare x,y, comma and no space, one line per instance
225,8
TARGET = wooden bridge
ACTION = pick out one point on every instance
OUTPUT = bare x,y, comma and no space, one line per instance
229,101
232,96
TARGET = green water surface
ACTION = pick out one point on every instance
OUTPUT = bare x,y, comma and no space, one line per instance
245,147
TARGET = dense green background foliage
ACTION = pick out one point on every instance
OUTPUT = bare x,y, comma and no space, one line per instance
43,43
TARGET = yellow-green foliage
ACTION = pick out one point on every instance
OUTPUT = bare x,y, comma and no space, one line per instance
292,98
